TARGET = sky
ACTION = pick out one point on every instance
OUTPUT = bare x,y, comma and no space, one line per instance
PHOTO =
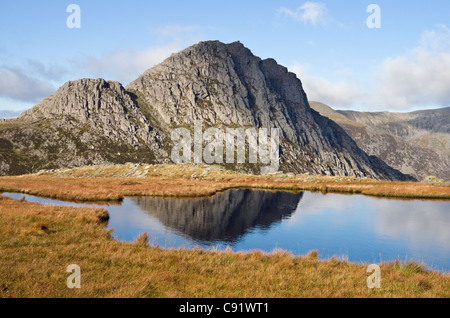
393,57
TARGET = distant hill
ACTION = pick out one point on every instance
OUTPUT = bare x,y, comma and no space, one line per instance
416,143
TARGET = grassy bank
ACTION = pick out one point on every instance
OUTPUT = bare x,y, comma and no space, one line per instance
38,242
115,182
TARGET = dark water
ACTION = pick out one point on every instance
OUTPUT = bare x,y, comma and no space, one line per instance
355,228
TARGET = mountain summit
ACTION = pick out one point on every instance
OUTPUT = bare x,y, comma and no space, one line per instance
96,121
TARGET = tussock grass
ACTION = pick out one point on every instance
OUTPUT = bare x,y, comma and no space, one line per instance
109,183
38,242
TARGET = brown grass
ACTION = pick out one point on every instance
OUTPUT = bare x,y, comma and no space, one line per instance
193,181
38,242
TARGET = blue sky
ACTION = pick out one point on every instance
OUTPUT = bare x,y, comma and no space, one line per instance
402,66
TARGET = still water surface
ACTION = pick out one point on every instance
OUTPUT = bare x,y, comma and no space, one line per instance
353,227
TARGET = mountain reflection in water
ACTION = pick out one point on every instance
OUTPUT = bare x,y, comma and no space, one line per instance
223,217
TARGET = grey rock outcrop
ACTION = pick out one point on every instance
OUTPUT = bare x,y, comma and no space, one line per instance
98,103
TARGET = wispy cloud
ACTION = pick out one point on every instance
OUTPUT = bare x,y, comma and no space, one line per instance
17,84
314,13
47,71
420,77
337,94
127,64
9,113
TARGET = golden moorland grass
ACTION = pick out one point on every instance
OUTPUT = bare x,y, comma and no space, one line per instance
38,242
110,183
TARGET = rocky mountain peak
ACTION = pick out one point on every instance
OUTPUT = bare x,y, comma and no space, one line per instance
221,84
224,85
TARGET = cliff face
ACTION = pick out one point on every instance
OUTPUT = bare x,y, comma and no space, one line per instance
416,143
224,85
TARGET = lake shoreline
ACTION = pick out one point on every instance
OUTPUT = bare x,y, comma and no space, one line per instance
113,183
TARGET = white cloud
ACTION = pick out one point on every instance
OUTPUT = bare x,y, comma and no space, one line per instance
9,113
342,93
47,71
23,85
419,78
16,84
314,13
126,65
436,40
